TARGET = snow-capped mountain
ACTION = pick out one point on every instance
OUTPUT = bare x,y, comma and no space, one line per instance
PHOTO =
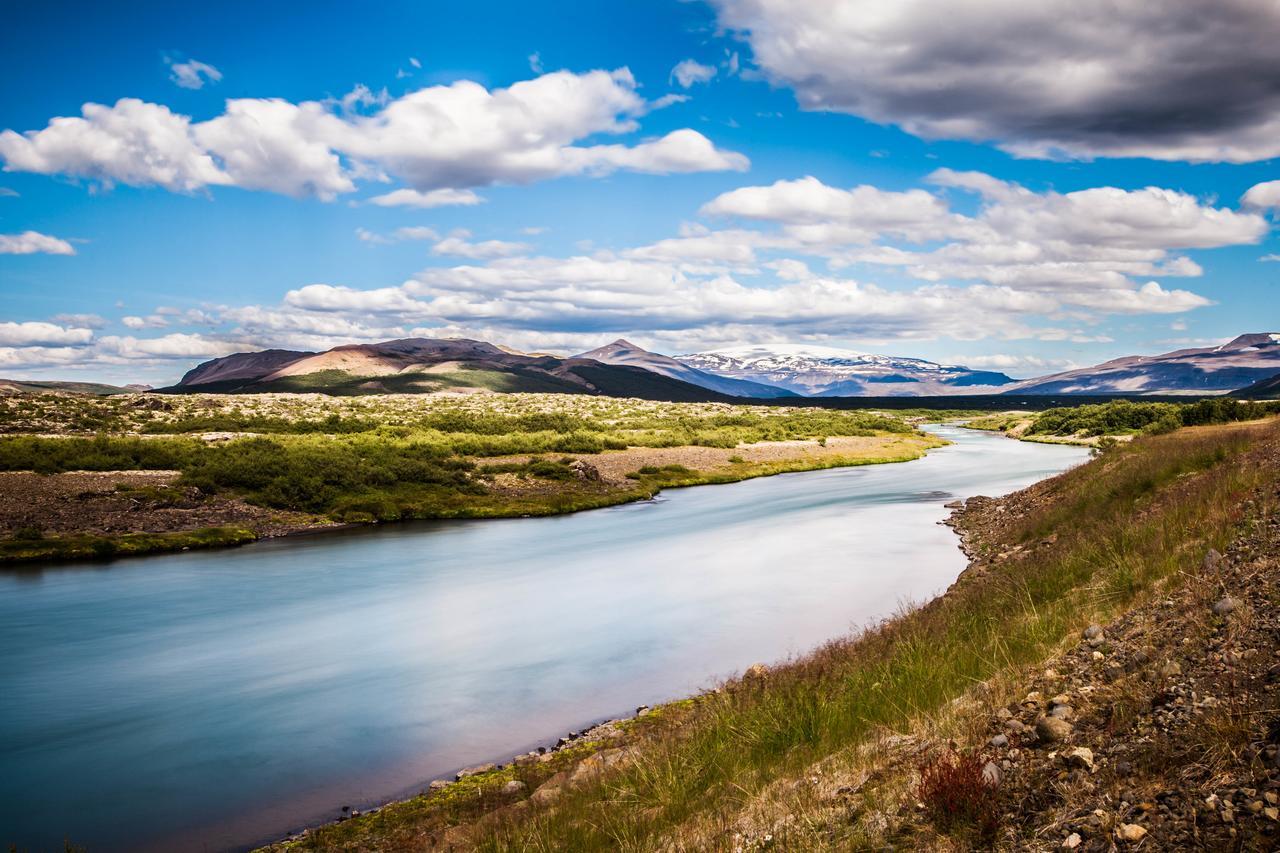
817,371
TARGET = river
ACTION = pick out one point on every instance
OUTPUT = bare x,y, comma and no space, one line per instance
211,700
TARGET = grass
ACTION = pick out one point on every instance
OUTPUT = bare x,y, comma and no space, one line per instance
28,548
1124,523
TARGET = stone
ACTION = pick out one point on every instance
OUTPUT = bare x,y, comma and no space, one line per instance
992,774
1130,832
1053,729
999,741
1081,756
1272,812
953,505
474,771
1093,632
515,786
438,784
1072,841
550,789
1223,606
1170,669
1062,712
1211,560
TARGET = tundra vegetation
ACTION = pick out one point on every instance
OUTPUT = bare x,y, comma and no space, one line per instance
1123,418
386,458
746,765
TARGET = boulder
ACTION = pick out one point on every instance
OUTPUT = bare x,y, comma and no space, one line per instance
474,771
515,786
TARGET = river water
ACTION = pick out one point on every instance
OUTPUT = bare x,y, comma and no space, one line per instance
210,700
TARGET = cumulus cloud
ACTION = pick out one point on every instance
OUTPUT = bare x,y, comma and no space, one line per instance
132,142
1066,242
1264,195
33,242
434,198
42,335
1180,80
441,141
459,246
690,72
193,74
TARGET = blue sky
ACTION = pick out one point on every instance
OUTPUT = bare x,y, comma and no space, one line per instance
982,200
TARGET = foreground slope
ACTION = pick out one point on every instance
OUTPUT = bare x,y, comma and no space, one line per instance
1205,370
1033,729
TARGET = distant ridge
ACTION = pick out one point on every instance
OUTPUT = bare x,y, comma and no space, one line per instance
431,365
1206,370
624,352
817,371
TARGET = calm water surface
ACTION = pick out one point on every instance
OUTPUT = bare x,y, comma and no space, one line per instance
209,700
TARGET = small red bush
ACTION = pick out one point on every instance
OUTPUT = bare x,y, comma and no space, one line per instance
956,796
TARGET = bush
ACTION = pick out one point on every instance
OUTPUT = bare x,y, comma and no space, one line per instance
956,795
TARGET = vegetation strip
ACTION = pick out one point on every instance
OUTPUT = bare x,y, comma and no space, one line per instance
249,462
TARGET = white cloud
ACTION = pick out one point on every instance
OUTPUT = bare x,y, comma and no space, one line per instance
1268,258
154,321
1065,242
416,232
1179,80
535,62
434,198
84,321
42,334
1264,195
460,247
33,242
7,192
193,74
132,142
440,141
689,72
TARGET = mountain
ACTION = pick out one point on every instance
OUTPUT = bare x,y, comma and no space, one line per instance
426,365
1263,389
625,352
827,372
1208,370
45,386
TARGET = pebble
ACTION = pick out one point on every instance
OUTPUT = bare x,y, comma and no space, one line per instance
992,774
999,741
1223,606
1053,729
1093,632
1130,832
1081,756
1072,841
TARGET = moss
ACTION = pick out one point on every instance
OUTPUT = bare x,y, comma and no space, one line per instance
128,544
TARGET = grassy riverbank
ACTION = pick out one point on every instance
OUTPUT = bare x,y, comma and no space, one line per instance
194,471
798,755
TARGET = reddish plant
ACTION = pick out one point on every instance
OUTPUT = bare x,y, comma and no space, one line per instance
956,794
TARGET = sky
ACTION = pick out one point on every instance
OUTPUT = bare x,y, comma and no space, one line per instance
1011,186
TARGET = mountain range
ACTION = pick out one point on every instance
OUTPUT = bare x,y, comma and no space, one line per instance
425,365
1248,366
814,371
1206,370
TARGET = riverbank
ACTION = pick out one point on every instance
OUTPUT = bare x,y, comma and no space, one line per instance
91,515
96,477
828,751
